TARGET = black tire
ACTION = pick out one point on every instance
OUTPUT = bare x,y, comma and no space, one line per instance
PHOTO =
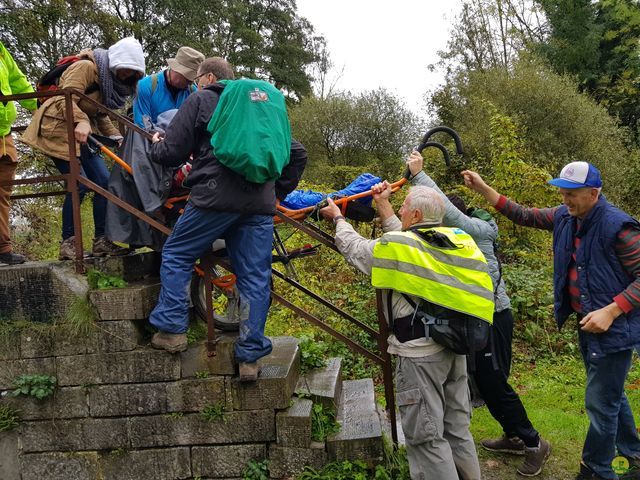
198,297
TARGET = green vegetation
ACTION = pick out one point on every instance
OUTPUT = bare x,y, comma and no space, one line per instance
197,331
37,386
323,422
80,320
202,375
9,418
175,415
214,413
345,471
102,281
256,470
312,354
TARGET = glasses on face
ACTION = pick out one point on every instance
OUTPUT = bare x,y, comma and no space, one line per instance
198,80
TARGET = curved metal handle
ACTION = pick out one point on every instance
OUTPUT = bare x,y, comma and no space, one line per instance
442,128
440,147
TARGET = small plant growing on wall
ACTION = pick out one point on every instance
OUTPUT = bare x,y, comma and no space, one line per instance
9,418
37,386
256,470
214,413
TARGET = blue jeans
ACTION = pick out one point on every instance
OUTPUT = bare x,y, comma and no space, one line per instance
249,240
612,428
93,168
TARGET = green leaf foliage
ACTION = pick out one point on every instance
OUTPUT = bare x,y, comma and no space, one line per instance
261,38
101,281
256,470
37,386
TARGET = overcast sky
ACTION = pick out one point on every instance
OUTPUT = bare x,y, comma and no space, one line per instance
384,43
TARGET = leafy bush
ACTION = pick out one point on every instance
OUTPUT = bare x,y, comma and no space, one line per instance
312,354
37,386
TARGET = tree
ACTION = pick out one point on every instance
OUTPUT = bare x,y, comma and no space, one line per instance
372,131
554,122
490,33
262,38
599,43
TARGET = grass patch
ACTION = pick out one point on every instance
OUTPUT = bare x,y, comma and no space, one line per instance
552,391
214,413
9,418
323,422
81,318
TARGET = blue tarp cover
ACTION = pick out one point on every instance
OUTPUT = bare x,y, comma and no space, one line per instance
307,198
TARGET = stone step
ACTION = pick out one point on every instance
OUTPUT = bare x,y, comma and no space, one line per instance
277,380
360,435
39,291
293,425
133,267
323,385
133,302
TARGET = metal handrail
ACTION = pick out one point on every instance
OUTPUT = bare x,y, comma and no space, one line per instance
74,179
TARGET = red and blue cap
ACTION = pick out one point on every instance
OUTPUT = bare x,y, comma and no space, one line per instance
578,175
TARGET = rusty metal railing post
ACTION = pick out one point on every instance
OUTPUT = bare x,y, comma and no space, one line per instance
72,182
387,374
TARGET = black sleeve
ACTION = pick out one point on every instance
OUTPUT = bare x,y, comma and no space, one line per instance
180,137
292,173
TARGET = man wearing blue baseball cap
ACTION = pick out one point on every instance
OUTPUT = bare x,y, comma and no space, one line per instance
596,262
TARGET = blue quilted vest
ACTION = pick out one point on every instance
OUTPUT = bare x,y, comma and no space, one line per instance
600,274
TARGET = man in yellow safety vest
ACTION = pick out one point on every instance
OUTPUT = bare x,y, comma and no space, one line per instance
425,264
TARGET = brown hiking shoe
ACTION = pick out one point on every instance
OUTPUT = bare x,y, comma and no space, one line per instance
171,342
105,248
534,459
514,445
249,371
68,249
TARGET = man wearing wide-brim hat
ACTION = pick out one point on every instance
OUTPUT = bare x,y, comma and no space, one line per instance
167,89
596,276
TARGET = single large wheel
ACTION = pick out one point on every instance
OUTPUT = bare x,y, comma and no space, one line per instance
226,305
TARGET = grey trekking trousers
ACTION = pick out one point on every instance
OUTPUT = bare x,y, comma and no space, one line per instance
433,398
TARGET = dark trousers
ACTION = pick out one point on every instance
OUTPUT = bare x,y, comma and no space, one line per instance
93,168
493,365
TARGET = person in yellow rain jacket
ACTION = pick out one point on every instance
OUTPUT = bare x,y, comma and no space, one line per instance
12,82
445,267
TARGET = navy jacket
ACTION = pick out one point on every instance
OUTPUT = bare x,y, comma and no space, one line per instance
601,276
213,185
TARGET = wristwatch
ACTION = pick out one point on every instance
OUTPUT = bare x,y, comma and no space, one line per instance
338,217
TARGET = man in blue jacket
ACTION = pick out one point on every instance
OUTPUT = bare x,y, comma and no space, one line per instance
596,274
167,89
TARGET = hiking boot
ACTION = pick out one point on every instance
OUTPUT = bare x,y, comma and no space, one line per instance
105,248
534,459
514,445
249,371
11,258
68,249
587,474
171,342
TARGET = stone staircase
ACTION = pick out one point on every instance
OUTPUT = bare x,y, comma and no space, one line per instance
125,411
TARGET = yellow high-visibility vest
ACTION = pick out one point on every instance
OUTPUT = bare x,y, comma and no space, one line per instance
455,278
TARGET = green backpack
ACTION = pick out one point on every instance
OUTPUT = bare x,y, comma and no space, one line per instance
250,132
